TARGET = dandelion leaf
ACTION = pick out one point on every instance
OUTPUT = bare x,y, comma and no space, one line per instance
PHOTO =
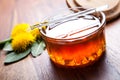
14,57
7,46
2,43
37,48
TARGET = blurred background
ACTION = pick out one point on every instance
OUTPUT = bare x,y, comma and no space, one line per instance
25,11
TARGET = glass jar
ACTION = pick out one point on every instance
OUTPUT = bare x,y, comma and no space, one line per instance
75,41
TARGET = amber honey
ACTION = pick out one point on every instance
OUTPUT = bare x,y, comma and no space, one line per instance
77,46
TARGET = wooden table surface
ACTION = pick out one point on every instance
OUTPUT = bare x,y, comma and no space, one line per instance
41,68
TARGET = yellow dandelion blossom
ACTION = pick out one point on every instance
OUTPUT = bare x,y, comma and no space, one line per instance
22,41
20,28
36,33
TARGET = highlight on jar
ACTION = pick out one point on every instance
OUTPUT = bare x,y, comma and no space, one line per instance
76,39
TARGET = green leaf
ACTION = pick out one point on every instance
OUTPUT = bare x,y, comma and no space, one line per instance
37,48
2,43
7,46
14,57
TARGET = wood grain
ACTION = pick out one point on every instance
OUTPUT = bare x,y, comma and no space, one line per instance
41,68
6,10
111,13
71,4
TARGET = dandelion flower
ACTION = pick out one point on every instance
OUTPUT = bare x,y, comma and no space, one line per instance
22,41
36,33
20,28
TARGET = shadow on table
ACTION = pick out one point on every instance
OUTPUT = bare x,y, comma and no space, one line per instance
101,70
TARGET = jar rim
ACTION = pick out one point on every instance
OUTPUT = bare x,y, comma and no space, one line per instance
103,21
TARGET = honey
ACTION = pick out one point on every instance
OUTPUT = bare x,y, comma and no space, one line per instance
77,42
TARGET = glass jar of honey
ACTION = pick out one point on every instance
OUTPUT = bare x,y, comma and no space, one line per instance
75,41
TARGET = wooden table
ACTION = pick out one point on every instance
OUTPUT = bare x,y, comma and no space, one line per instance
41,68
